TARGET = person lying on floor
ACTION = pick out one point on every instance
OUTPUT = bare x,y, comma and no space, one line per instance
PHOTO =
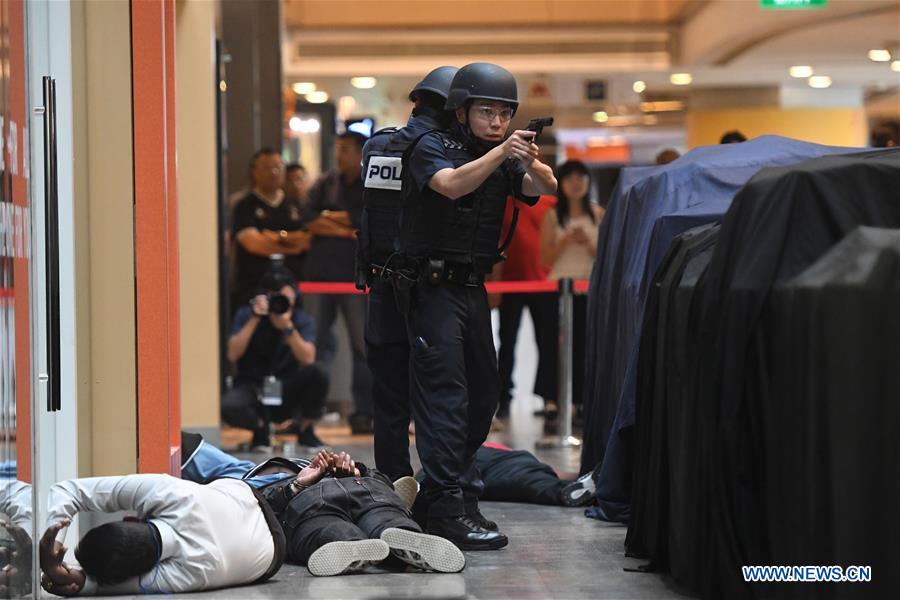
336,526
185,536
351,519
203,463
518,476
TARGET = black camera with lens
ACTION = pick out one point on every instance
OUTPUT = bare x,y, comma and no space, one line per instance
278,303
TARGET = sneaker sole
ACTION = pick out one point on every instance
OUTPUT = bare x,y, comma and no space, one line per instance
336,558
428,552
407,488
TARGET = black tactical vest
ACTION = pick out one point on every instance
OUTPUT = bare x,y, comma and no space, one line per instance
382,171
466,230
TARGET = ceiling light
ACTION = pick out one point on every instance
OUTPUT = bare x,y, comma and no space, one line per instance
651,120
801,71
303,87
681,78
601,116
363,83
300,125
317,97
879,55
639,87
896,65
819,81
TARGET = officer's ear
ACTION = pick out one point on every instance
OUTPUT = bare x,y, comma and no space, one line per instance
461,115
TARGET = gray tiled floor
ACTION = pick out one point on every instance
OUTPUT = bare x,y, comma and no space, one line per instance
554,552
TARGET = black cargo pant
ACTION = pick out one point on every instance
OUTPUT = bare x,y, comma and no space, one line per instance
342,510
302,396
455,390
387,351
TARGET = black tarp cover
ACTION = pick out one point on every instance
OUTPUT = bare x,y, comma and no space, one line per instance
831,449
649,208
664,426
780,223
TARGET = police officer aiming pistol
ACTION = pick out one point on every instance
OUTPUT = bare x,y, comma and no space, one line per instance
457,184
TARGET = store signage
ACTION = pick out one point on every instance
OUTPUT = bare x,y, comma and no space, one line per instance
793,4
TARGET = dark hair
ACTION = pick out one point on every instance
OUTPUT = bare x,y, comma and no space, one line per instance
358,138
115,552
562,207
294,167
265,151
733,137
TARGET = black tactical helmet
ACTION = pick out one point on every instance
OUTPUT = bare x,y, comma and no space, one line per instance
484,81
437,81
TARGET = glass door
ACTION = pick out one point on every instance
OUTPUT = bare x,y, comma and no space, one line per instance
17,311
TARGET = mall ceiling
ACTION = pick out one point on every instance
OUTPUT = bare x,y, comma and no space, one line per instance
722,43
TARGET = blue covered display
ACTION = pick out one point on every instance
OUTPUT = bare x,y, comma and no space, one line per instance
650,206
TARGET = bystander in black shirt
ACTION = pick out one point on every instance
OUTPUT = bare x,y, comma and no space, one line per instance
334,258
254,212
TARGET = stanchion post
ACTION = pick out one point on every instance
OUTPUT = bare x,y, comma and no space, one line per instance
564,386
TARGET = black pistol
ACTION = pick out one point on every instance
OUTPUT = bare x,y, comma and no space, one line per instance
537,126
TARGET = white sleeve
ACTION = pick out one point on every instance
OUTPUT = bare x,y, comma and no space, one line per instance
159,495
15,502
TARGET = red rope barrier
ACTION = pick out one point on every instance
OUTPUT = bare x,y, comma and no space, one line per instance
493,287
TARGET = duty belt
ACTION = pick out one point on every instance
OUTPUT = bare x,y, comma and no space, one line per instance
437,271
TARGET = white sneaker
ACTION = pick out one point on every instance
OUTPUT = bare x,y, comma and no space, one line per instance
407,488
339,558
423,551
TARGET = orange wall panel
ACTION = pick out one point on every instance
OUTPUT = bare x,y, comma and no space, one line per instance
156,235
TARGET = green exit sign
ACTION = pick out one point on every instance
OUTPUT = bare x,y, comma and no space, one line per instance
793,4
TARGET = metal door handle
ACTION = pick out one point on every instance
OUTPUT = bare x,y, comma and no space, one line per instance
51,243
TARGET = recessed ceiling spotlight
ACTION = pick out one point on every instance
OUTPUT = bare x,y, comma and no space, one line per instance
363,83
681,78
601,116
302,88
801,71
820,82
317,97
639,87
896,66
880,55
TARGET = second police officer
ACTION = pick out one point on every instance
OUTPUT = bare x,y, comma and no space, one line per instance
457,185
387,343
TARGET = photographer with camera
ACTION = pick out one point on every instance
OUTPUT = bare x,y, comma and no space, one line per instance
273,346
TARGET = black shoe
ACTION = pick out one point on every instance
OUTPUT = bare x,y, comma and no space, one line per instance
479,518
308,438
580,492
361,424
466,533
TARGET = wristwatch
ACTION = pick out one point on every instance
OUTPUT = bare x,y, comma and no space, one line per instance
288,331
296,488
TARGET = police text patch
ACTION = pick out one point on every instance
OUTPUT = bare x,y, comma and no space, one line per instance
383,173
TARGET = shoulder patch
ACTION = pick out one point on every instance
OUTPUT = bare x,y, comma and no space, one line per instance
383,173
452,144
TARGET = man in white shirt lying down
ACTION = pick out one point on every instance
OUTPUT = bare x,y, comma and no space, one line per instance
186,536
